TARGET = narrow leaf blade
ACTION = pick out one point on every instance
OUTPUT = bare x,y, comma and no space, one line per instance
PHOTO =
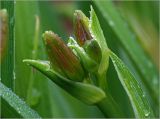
140,104
19,105
132,47
96,30
97,33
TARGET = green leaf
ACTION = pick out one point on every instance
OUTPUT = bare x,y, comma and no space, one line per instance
139,102
96,30
7,50
7,61
86,93
98,35
19,105
146,68
57,103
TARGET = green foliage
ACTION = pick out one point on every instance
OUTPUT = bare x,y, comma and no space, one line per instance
18,104
140,104
136,92
7,61
7,48
130,44
84,92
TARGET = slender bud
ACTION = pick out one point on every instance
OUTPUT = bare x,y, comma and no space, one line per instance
81,27
84,38
93,49
3,31
62,58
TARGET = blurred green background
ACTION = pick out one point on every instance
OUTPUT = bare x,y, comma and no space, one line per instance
31,18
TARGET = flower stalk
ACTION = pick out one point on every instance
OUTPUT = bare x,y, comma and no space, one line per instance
89,47
82,59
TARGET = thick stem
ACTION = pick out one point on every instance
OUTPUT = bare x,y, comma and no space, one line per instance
110,108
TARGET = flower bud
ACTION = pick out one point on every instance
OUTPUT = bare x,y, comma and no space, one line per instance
81,27
3,32
62,58
84,38
93,49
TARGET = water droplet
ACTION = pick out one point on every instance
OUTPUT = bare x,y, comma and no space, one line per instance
113,61
14,75
147,114
143,95
111,23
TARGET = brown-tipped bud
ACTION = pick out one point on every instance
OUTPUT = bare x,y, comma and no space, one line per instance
81,27
3,31
62,58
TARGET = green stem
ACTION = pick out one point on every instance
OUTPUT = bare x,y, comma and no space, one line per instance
34,55
102,82
109,107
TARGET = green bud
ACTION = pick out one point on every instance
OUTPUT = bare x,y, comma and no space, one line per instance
93,49
81,27
88,63
62,58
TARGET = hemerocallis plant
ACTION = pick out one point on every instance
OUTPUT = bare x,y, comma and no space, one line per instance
80,66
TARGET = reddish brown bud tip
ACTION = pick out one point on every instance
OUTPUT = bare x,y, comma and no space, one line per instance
3,31
62,58
81,25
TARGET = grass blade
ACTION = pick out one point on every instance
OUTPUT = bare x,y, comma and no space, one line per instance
14,101
146,68
7,62
97,33
137,97
7,50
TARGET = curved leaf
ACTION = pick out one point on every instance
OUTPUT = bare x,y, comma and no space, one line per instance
19,105
130,44
140,104
98,35
86,93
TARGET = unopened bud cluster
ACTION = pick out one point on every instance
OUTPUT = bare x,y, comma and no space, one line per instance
63,59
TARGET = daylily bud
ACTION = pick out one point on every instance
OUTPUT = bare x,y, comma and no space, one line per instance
89,64
84,38
3,31
81,27
62,58
93,50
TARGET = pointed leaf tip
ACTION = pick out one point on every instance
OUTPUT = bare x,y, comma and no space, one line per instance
81,27
88,94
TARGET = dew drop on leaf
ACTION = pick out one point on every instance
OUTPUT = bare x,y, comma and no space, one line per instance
111,23
147,114
14,75
143,95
